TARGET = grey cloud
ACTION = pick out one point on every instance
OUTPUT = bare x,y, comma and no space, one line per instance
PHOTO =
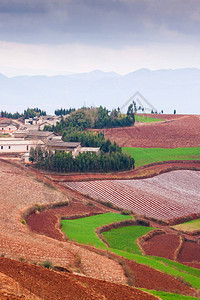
107,22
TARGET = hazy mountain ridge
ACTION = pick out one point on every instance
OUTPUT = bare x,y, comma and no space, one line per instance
165,89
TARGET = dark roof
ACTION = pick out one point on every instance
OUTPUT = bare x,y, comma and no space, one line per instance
7,124
38,133
63,144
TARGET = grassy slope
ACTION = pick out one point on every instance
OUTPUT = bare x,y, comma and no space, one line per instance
125,238
83,230
144,119
145,156
188,226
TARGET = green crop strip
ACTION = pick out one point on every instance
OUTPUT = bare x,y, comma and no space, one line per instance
144,156
83,230
144,119
125,238
167,296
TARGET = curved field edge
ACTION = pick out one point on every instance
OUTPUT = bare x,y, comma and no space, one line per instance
167,266
188,274
125,238
168,296
83,230
144,156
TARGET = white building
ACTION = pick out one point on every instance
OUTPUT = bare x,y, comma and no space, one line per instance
14,145
7,127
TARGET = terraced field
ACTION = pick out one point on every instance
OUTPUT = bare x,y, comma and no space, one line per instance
124,245
167,196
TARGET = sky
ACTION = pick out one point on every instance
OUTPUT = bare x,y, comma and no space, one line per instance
51,37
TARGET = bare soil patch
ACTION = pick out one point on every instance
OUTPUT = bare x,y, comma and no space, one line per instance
190,252
163,245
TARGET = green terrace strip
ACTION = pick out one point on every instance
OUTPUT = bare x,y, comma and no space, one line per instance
188,226
83,230
168,296
144,156
125,238
164,265
144,119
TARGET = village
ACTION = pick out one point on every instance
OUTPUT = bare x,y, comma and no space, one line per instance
17,137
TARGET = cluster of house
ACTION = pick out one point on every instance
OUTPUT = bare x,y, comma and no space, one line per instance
21,139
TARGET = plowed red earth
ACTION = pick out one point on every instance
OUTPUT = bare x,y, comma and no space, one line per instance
182,132
48,284
163,245
190,252
45,222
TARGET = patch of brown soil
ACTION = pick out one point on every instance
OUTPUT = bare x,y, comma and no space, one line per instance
163,245
190,252
182,132
48,284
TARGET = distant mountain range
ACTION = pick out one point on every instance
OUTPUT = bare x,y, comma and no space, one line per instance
165,89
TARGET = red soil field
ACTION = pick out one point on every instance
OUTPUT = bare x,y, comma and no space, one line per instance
167,196
190,252
182,132
163,245
48,284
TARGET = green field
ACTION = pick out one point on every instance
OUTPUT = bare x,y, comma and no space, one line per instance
188,226
125,238
83,230
144,156
144,119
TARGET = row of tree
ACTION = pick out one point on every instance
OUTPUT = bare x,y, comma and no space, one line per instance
63,111
84,162
28,113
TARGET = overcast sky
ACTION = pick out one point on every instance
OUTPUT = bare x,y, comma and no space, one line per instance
70,36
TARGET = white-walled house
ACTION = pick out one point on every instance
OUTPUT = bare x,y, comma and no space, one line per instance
14,145
8,127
